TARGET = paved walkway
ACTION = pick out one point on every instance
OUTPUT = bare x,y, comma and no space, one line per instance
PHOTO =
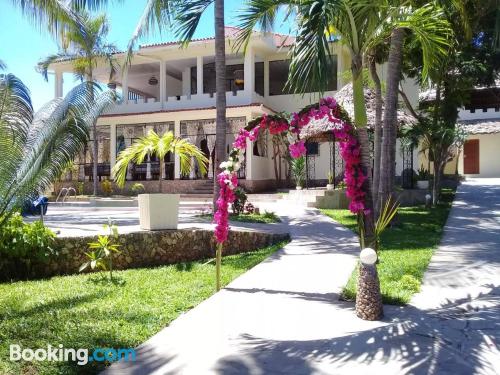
284,317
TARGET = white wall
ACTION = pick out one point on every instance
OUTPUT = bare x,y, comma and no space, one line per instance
489,156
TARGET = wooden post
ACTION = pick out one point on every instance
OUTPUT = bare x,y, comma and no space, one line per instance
218,256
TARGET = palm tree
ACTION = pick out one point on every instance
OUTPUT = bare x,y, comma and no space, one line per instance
428,26
156,145
86,47
361,25
185,17
38,147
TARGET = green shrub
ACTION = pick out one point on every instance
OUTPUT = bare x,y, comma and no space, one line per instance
239,203
80,187
22,245
138,188
107,187
271,216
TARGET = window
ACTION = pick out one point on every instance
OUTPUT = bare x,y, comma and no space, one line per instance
312,148
259,78
260,145
278,75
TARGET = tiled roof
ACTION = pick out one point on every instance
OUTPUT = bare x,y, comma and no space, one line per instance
485,126
230,32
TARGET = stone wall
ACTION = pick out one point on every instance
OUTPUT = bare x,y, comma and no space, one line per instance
144,249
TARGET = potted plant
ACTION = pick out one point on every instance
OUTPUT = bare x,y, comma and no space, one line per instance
423,178
157,210
330,177
299,171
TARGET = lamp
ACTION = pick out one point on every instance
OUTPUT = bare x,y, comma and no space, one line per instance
239,77
368,256
153,81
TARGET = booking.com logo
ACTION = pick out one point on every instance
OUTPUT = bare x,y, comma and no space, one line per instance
61,354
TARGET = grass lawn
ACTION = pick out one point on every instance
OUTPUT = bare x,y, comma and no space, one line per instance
265,218
405,250
82,311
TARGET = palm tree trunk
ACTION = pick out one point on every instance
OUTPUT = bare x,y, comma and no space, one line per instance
388,160
360,121
95,151
160,179
368,297
220,87
377,139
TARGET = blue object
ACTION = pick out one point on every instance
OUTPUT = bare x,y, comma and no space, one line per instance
35,207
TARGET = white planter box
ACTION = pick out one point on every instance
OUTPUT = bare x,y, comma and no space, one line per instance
423,184
330,187
158,211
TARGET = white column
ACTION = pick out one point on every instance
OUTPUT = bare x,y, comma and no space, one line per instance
199,75
112,147
249,66
266,77
186,81
177,161
163,83
125,87
58,84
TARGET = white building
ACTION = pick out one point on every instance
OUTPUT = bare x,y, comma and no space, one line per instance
172,88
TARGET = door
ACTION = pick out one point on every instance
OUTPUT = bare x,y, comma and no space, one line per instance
471,156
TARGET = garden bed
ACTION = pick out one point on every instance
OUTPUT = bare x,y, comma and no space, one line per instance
405,250
85,311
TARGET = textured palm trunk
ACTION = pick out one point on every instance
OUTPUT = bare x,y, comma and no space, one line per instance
160,179
220,122
388,160
368,297
220,87
95,151
377,138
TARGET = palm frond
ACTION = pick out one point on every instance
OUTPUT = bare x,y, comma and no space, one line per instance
3,66
188,17
261,14
47,144
157,13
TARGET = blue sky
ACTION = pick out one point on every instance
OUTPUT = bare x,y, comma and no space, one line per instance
22,44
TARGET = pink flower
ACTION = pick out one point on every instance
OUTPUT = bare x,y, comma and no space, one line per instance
297,149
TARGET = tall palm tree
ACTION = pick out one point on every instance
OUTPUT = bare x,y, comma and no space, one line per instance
185,17
86,47
429,26
38,147
361,25
156,145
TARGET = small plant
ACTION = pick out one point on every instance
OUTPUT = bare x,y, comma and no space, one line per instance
271,216
330,177
23,244
102,250
386,215
80,187
107,187
341,185
298,169
240,201
138,188
423,174
249,209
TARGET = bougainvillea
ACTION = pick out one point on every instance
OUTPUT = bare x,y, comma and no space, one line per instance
326,110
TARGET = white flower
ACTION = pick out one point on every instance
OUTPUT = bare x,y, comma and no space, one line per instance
236,166
229,184
225,165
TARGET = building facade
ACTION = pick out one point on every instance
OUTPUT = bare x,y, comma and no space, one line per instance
172,88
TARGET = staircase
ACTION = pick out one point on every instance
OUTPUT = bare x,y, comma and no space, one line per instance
319,198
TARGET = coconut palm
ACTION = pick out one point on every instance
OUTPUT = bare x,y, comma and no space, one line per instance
185,17
86,47
38,147
155,145
360,25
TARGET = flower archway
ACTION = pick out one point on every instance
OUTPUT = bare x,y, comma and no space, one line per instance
327,110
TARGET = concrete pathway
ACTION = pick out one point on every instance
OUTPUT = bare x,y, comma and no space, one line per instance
284,317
